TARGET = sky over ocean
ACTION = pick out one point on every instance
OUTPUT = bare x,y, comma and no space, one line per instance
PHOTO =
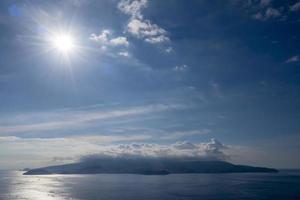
202,79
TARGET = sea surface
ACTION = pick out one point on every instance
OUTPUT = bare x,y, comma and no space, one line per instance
257,186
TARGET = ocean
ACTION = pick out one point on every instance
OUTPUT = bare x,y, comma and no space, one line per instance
284,185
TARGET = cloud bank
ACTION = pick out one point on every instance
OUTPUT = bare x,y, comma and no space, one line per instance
51,151
212,150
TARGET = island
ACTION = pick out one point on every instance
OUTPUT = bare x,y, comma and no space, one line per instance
147,167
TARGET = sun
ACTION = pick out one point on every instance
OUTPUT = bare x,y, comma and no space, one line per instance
63,42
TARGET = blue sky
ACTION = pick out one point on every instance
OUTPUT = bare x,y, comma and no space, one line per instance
165,73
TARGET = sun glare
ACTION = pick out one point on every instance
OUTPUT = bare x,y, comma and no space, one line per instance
63,43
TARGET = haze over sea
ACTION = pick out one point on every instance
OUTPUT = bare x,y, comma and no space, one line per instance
283,185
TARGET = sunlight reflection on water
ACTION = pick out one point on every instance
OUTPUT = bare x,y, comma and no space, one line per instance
251,186
37,187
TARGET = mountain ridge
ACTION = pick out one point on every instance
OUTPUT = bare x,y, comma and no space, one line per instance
147,167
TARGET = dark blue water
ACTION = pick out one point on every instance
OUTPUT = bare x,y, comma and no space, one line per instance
283,186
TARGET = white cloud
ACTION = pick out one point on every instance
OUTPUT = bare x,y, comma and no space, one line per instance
133,8
145,29
169,49
124,53
119,41
157,39
295,7
293,59
140,27
105,38
181,68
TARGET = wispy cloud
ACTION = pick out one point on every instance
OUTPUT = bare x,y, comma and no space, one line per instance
75,119
169,49
181,68
293,59
295,7
77,3
264,10
97,139
216,89
181,134
270,13
123,136
265,2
